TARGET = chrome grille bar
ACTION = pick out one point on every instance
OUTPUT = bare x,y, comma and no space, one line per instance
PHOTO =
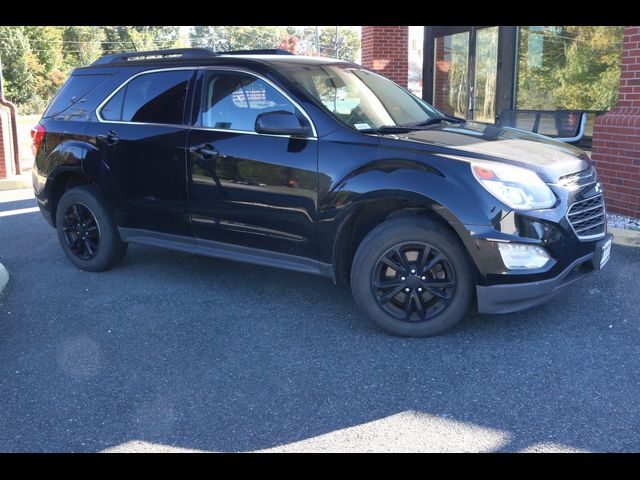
588,218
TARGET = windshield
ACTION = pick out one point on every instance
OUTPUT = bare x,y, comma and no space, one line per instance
362,99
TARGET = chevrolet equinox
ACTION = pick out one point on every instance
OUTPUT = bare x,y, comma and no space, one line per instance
320,166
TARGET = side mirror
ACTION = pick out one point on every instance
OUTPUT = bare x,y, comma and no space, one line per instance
280,123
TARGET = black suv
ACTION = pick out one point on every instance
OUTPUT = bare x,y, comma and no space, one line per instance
319,166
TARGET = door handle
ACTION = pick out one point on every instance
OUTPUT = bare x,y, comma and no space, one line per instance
111,137
207,151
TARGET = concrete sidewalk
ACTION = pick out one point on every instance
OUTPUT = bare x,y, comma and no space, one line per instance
16,182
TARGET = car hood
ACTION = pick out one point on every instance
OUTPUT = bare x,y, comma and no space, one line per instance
550,158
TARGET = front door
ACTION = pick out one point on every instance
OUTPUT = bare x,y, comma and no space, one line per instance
465,67
249,189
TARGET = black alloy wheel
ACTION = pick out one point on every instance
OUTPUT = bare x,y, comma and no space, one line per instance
411,276
413,281
81,231
87,231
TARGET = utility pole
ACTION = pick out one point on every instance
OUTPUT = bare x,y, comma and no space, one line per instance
337,43
317,40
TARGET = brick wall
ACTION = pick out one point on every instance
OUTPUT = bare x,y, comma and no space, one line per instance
385,49
616,135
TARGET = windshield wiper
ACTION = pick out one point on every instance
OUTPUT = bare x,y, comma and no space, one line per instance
412,127
391,129
434,120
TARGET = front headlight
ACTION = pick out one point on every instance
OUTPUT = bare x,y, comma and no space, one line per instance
517,187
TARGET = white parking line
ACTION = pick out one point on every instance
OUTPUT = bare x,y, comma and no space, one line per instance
18,211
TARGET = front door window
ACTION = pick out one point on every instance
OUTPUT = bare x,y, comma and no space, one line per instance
233,101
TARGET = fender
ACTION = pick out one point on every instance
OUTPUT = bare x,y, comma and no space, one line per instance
404,183
65,158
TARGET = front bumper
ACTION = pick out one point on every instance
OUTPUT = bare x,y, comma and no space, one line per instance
507,298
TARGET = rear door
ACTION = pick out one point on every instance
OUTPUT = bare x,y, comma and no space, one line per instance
250,189
141,131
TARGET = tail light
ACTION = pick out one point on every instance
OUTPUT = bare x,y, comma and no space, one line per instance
37,135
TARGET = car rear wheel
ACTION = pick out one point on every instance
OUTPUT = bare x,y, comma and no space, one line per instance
411,276
86,230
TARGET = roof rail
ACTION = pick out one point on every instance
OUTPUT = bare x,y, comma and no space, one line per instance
155,54
263,51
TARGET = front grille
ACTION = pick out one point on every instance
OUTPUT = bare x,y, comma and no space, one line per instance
588,218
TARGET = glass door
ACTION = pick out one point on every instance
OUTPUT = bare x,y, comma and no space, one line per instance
450,75
465,65
485,71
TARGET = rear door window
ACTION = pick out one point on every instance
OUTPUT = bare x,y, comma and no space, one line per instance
157,97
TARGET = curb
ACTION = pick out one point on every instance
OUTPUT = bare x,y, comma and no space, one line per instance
621,236
4,278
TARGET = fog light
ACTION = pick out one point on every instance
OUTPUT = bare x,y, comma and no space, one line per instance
519,256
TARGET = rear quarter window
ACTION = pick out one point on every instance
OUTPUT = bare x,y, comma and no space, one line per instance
75,89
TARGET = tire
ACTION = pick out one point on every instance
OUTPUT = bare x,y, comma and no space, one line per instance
447,286
101,247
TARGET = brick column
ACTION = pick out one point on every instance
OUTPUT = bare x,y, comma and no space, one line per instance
616,135
385,49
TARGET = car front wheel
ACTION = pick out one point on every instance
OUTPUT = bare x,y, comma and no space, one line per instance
411,276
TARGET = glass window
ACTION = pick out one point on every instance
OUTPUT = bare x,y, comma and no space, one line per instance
233,101
151,98
74,89
416,41
113,108
450,89
485,75
568,67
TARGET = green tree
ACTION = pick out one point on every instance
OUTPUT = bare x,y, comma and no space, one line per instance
569,67
296,39
16,52
348,42
225,38
82,45
47,59
590,75
139,38
202,36
46,41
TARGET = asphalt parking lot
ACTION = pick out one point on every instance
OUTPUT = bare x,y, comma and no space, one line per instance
171,351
